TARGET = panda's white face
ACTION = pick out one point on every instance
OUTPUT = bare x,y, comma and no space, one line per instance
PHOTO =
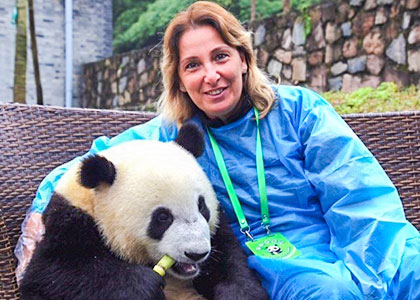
183,233
159,202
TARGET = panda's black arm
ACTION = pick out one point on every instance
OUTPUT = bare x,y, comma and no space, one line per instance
226,275
72,263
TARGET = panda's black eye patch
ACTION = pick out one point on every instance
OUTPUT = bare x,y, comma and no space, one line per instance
202,207
161,220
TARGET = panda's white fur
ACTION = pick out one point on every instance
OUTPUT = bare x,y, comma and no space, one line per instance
149,174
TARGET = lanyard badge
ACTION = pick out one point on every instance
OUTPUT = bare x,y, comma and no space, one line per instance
273,245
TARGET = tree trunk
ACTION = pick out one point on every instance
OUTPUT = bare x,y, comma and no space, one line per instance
286,6
19,86
253,10
34,48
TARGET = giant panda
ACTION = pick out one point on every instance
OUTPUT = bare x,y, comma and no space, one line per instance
115,214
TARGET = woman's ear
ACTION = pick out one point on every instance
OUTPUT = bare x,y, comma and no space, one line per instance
182,88
243,63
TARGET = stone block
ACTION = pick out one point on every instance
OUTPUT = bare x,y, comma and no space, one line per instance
262,57
414,35
316,14
319,78
316,58
399,77
396,50
338,68
332,32
298,34
299,51
144,80
363,23
414,60
385,2
274,68
286,42
350,48
114,88
344,12
122,84
316,38
371,81
141,66
332,53
346,29
287,72
259,35
370,4
298,70
373,43
283,56
374,64
412,4
395,10
328,12
124,61
381,16
356,2
351,83
406,20
357,64
392,30
335,83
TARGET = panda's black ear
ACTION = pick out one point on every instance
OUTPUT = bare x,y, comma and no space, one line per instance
191,138
96,170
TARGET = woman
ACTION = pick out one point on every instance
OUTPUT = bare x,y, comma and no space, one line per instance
339,227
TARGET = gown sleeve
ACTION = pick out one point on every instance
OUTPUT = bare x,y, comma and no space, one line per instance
360,204
32,226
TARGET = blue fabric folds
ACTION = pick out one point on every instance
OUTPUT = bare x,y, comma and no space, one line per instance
327,194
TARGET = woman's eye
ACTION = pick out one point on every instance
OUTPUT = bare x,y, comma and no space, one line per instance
221,56
191,66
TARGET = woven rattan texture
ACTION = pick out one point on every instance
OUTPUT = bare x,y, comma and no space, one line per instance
35,139
394,138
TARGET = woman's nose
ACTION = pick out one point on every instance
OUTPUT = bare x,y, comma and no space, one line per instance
212,75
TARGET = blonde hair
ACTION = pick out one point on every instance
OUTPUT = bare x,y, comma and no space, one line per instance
176,105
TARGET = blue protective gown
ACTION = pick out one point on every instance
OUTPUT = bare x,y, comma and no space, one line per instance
327,194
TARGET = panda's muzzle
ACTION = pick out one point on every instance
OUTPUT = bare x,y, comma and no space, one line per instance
186,270
190,270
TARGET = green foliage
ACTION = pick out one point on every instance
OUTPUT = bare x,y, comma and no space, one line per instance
265,8
153,20
307,22
137,23
387,97
302,5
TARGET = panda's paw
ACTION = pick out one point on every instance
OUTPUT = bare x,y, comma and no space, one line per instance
152,285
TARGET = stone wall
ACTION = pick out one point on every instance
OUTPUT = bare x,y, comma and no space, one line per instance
351,44
7,39
92,41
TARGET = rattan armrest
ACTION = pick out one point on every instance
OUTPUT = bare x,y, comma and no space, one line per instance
8,286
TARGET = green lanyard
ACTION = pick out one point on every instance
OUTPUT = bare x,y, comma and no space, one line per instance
231,190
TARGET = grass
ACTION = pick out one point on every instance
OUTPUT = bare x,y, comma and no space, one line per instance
386,97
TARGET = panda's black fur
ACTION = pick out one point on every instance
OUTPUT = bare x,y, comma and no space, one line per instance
74,262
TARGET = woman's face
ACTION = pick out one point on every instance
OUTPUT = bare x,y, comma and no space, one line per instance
210,71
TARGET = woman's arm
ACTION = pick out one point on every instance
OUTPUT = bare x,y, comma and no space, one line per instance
361,205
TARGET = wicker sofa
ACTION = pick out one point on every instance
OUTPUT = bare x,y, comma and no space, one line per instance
35,139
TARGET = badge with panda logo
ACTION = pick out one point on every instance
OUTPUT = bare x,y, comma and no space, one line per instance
273,246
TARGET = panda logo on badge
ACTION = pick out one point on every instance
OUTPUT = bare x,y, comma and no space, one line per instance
274,249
